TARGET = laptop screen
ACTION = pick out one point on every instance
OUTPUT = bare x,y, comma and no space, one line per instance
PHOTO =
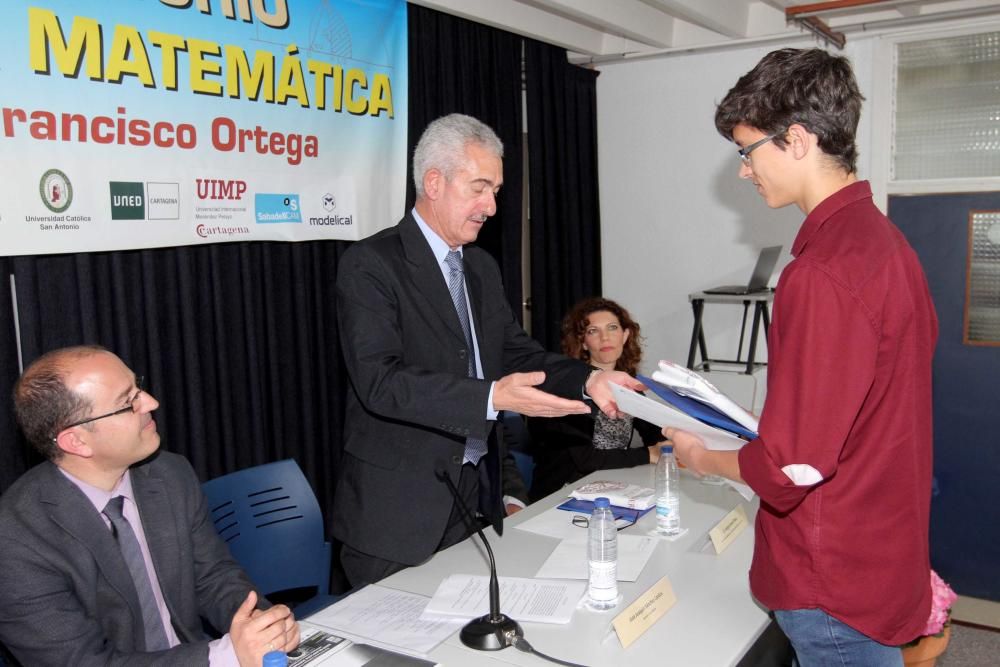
764,269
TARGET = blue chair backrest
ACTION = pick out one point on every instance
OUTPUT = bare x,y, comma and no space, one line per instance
269,517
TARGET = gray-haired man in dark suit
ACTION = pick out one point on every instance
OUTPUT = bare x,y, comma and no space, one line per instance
434,353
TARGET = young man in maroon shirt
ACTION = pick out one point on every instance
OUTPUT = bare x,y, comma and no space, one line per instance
842,463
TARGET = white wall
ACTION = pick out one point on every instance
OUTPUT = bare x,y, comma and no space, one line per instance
675,217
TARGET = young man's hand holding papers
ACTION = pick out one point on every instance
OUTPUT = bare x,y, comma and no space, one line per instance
711,416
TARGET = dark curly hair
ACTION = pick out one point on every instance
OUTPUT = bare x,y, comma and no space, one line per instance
810,87
578,319
44,405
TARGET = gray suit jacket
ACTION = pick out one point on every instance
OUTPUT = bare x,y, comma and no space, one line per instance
412,405
66,596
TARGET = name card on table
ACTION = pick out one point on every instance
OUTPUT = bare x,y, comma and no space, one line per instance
726,530
641,614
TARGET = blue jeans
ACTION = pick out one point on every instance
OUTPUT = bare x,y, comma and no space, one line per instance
820,640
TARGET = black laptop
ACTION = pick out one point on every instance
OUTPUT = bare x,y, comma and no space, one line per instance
762,273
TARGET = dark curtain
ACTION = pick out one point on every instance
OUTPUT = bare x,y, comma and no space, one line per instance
460,66
237,341
562,172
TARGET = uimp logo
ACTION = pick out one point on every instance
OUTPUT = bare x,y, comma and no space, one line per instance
329,203
55,190
216,188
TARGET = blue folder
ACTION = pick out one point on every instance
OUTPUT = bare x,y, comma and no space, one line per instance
704,413
620,513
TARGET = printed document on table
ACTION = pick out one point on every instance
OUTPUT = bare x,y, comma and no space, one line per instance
536,600
637,405
386,617
569,559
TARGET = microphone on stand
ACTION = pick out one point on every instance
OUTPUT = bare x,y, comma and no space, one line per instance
494,631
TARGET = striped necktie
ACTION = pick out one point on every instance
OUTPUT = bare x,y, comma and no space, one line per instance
156,636
474,447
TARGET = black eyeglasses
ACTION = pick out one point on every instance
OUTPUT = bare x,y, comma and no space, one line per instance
745,152
621,516
131,406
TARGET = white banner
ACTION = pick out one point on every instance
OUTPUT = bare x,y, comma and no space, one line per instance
150,123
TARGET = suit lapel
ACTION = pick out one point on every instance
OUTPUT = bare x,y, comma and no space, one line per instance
72,511
160,527
427,276
474,284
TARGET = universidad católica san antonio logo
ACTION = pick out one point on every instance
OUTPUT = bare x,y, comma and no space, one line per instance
56,190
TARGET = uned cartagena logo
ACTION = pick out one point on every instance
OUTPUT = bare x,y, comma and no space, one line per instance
128,201
56,190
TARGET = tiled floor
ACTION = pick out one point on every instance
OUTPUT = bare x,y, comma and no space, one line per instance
974,610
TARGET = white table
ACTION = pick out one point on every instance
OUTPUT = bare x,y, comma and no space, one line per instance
714,622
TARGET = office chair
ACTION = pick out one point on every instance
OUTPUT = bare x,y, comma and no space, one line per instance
269,517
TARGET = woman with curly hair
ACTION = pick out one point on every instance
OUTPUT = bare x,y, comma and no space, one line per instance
602,333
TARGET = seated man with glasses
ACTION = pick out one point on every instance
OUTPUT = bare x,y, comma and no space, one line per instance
108,555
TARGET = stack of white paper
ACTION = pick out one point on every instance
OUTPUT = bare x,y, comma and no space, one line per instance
637,405
688,383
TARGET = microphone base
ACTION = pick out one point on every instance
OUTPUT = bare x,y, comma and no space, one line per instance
484,634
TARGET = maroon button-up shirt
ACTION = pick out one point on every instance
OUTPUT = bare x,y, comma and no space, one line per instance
849,396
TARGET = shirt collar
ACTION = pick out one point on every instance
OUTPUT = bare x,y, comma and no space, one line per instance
826,209
437,244
99,497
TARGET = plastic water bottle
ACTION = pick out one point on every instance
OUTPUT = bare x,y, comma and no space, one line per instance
668,501
602,552
275,659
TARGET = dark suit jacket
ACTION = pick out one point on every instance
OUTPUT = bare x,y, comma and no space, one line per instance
66,596
564,451
412,405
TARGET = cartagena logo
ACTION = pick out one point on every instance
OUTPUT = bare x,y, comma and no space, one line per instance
207,231
276,208
163,201
55,190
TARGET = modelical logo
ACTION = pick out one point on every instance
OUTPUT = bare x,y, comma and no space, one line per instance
128,201
272,208
329,203
56,190
216,188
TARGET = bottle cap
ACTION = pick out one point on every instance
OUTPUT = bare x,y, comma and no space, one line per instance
602,502
666,449
275,659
